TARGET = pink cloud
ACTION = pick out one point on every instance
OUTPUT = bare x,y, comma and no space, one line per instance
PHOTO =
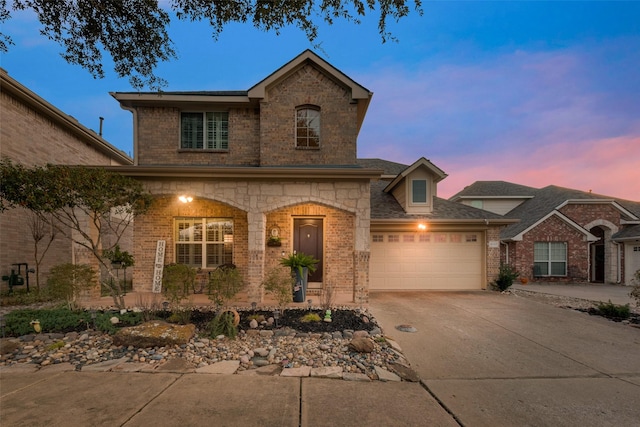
610,167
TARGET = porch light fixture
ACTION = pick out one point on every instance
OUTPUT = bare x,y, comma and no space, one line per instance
422,227
276,316
185,199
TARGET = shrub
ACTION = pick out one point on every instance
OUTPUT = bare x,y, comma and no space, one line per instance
279,283
310,317
22,297
224,284
67,281
130,318
635,291
506,276
177,279
615,311
61,320
223,324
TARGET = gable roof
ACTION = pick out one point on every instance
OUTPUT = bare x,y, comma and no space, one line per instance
548,200
357,91
494,190
421,162
360,94
65,121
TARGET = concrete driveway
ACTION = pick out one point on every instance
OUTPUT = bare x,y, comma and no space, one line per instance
502,360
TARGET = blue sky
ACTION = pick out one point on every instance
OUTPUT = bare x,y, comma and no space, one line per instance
535,93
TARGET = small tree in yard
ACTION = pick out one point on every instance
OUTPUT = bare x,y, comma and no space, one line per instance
279,282
82,203
224,284
67,281
41,231
635,292
177,279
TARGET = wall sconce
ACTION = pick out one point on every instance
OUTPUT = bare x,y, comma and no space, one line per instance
185,199
422,227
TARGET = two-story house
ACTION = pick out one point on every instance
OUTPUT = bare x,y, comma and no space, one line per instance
35,132
231,169
562,234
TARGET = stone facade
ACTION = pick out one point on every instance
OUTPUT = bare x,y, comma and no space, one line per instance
254,206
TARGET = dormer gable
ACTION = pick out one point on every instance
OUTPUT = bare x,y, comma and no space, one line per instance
416,186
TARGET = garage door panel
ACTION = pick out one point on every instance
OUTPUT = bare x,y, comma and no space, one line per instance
445,261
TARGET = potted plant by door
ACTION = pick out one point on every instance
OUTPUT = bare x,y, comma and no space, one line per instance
301,265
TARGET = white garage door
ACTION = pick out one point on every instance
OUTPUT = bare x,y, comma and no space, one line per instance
406,261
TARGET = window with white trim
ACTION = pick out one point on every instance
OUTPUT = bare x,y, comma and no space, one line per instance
203,242
418,191
308,127
550,259
204,131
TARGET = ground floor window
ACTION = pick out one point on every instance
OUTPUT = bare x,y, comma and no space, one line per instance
204,242
550,259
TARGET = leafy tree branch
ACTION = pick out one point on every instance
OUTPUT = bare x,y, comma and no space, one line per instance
134,32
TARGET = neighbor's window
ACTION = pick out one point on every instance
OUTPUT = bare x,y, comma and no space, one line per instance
204,242
419,191
308,127
550,259
204,131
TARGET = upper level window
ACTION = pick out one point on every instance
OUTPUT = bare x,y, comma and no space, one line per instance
307,127
204,131
419,191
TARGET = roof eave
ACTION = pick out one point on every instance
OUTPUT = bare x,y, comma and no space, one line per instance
207,172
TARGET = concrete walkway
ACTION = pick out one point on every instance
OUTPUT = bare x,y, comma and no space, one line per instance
53,398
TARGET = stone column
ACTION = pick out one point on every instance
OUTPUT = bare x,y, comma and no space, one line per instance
257,222
361,277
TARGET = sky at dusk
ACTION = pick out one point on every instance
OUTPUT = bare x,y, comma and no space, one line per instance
535,93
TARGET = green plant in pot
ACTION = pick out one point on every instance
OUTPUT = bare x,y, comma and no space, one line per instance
301,265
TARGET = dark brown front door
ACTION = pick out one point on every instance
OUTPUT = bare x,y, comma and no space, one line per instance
307,238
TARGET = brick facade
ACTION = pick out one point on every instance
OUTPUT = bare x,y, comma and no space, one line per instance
159,138
601,219
33,132
338,131
553,229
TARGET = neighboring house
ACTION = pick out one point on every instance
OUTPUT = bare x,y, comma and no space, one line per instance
563,234
34,132
230,169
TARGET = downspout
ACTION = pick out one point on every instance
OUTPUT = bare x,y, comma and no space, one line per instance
589,245
618,263
506,252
